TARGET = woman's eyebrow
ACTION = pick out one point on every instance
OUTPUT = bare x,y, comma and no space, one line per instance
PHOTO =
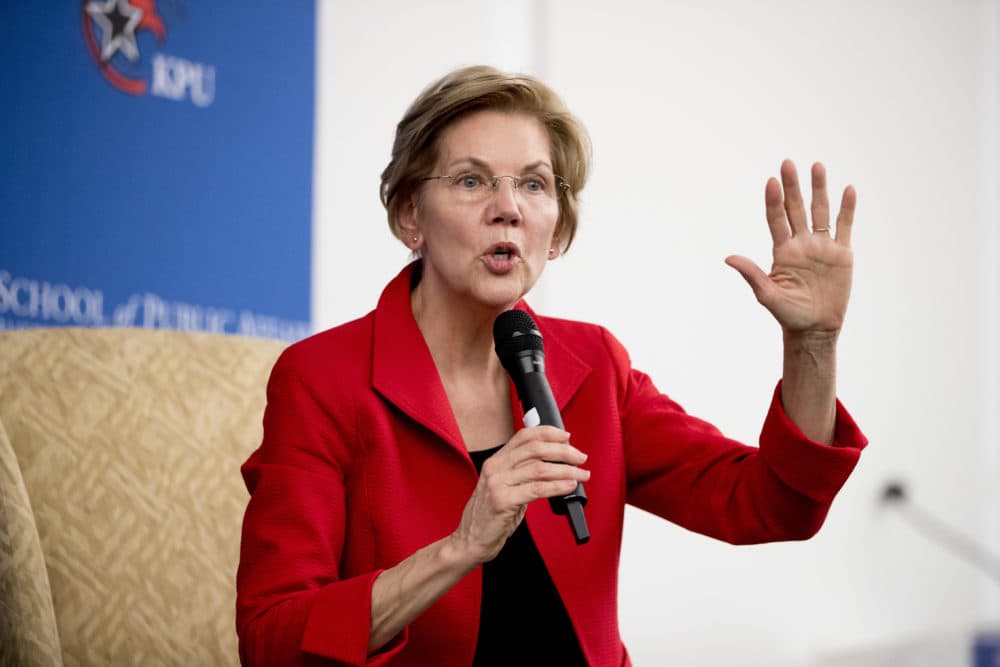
481,164
475,162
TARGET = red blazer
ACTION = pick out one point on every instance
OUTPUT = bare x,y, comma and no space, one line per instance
362,464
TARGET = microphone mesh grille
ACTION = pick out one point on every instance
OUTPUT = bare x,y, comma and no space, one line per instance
515,331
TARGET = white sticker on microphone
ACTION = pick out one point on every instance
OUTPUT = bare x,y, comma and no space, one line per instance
531,418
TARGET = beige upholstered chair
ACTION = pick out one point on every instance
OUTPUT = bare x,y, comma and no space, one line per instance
120,493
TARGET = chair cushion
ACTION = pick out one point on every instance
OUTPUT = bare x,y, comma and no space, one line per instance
130,442
28,634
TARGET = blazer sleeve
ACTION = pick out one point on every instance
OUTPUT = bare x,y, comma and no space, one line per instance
293,607
684,469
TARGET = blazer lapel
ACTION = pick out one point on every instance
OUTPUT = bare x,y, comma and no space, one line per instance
403,371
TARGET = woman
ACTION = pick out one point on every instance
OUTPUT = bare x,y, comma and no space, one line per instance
371,537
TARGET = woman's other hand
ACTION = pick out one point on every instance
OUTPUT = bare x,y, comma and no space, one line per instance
809,284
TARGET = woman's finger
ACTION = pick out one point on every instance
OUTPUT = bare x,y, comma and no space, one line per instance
536,489
558,452
541,442
532,433
560,487
774,209
545,471
845,218
820,200
795,208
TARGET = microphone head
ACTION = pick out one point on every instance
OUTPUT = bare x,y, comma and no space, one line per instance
515,332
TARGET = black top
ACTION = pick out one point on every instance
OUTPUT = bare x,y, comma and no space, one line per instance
522,621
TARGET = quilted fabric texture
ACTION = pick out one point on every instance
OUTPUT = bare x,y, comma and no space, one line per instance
28,633
129,443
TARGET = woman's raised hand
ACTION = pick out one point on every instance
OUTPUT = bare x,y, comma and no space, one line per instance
809,284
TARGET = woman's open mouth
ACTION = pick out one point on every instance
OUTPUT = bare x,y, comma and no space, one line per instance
501,257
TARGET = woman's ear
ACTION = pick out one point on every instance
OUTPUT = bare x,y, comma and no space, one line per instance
407,225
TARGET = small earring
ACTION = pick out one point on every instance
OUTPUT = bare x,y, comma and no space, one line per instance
552,252
414,239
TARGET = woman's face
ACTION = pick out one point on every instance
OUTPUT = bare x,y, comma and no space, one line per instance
487,249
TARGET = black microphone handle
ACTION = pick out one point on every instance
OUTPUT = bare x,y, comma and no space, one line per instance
540,409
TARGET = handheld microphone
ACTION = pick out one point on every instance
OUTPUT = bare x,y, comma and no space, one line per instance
519,346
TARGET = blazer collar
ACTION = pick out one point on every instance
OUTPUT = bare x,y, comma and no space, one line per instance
403,371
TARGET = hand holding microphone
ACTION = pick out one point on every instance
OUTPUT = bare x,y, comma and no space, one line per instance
535,463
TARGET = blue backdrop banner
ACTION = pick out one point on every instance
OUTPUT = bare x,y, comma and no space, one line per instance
159,165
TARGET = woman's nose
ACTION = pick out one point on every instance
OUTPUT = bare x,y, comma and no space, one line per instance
504,200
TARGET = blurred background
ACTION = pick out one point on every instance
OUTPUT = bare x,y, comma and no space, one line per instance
691,107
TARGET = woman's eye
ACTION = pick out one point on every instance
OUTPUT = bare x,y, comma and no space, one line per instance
469,181
534,184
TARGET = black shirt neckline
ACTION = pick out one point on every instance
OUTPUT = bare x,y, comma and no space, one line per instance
522,618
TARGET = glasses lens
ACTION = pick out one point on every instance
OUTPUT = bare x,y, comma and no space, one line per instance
475,187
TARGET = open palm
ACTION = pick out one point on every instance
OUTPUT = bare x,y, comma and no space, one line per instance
809,284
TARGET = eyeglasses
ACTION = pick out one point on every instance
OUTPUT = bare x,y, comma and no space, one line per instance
474,187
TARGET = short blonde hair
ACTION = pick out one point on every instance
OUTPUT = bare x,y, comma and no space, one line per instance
477,88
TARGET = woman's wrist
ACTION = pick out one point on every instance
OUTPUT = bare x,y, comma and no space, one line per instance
401,593
808,390
810,341
455,553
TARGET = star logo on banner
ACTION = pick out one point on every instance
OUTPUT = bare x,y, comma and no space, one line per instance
118,21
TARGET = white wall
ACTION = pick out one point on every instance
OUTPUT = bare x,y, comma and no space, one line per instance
990,255
691,106
373,58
